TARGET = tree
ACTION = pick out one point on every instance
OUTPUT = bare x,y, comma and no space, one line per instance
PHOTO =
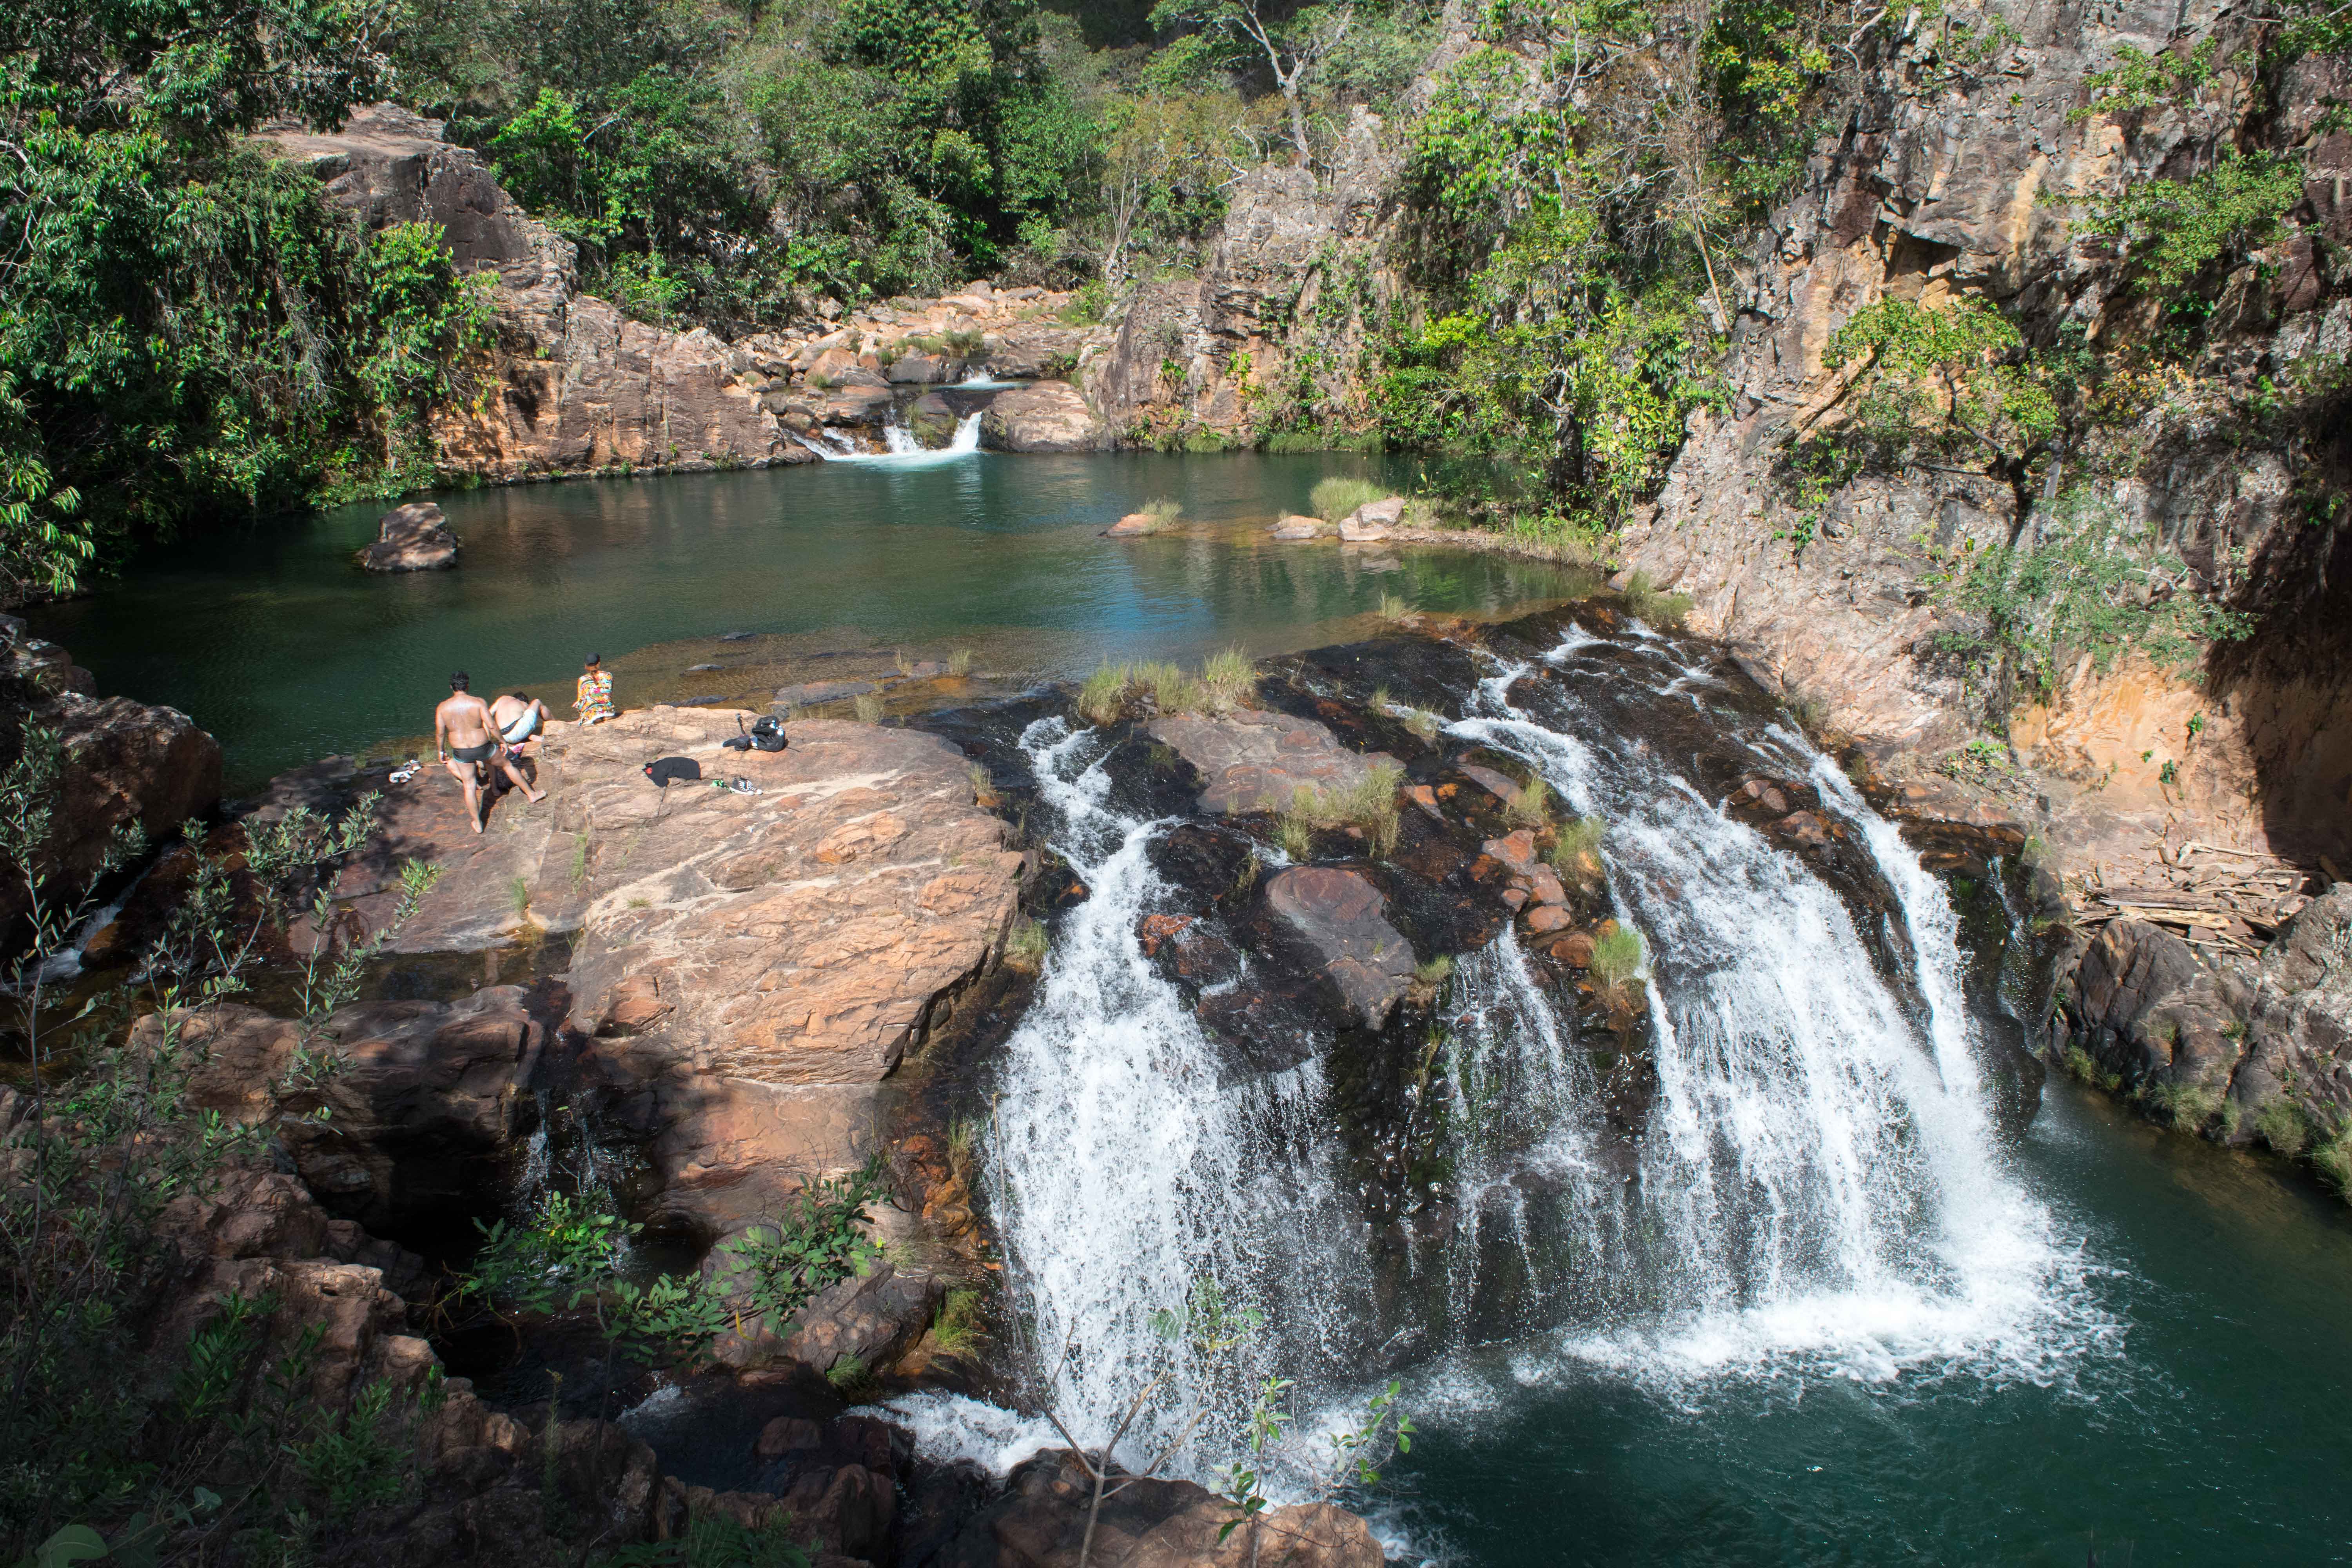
1292,47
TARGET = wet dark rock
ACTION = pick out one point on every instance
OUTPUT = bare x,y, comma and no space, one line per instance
810,693
1339,914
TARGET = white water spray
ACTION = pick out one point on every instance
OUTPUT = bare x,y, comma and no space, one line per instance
906,452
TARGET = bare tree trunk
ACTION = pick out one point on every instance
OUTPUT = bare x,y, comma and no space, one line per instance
1298,106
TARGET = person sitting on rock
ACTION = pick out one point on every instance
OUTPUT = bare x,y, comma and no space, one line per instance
518,716
595,702
463,734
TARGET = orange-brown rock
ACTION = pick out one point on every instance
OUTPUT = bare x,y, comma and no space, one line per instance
798,937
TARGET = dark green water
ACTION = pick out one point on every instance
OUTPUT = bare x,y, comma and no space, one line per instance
280,645
2190,1404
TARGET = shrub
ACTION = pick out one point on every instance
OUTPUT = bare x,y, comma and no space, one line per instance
1577,851
1369,803
2333,1160
868,709
1645,601
1163,510
960,663
1335,497
955,1330
1394,607
1616,956
2187,1107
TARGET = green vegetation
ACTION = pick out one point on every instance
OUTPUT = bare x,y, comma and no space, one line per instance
1227,681
1337,497
2175,228
2187,1108
1025,944
1617,955
2081,590
1576,852
955,1328
774,1270
123,1434
2283,1127
1163,510
1368,806
1650,605
1531,806
192,330
715,1541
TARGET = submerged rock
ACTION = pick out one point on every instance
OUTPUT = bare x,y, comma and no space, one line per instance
411,538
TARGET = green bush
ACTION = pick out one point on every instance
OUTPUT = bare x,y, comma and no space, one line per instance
2283,1127
1648,604
1368,804
1616,957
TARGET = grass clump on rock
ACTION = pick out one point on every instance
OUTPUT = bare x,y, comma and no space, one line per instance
1025,944
1531,807
1616,956
1336,498
1577,851
1227,681
1649,603
1369,803
1163,510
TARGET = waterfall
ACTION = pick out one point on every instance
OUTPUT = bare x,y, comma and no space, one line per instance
1812,1180
1125,1172
906,452
1818,1178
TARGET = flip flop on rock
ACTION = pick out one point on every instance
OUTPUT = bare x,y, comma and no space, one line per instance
402,775
738,784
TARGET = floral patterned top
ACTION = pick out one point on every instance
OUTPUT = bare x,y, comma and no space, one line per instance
594,703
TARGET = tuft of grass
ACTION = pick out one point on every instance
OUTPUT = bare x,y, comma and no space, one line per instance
1103,698
519,890
955,1330
1171,688
983,788
819,382
1245,878
960,663
1394,607
1381,701
1648,604
963,1141
1422,722
2187,1107
1531,807
1435,972
1369,803
1296,835
2333,1160
1025,944
2283,1127
579,858
2079,1064
868,709
1616,957
851,1378
1335,497
902,661
1228,680
1811,713
1162,510
1579,836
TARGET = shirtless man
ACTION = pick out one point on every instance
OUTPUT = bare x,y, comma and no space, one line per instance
516,716
462,733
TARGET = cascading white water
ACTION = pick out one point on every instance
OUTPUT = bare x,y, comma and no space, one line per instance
1125,1172
905,451
1817,1176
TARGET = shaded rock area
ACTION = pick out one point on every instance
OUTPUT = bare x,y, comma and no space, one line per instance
1259,761
2246,1051
125,763
411,538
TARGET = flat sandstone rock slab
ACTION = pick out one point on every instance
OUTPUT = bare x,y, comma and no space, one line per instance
1257,761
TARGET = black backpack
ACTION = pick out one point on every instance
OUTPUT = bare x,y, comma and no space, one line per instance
767,734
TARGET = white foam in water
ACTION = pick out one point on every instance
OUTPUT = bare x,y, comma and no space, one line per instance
906,452
1819,1192
948,1426
1124,1172
1824,1175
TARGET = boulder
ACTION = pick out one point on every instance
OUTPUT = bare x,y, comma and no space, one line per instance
1338,913
411,538
1375,520
923,370
872,1320
125,763
1516,850
1299,527
1050,417
1258,762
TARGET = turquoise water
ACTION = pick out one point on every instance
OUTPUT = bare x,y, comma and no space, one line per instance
280,645
2188,1406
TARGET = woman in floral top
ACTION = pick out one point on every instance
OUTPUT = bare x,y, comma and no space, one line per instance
594,703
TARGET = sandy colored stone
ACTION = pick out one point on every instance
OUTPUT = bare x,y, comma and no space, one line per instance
1257,761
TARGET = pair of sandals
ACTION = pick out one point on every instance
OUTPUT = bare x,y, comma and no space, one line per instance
403,772
738,785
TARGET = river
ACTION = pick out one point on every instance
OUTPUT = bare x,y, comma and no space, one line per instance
1889,1334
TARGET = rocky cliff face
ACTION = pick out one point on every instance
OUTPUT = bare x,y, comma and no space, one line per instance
1962,175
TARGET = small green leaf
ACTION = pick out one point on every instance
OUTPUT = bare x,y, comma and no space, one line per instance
74,1543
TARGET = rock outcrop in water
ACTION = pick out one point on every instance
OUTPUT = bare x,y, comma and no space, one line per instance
411,538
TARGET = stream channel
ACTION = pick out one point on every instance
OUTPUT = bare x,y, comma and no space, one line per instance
1815,1291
